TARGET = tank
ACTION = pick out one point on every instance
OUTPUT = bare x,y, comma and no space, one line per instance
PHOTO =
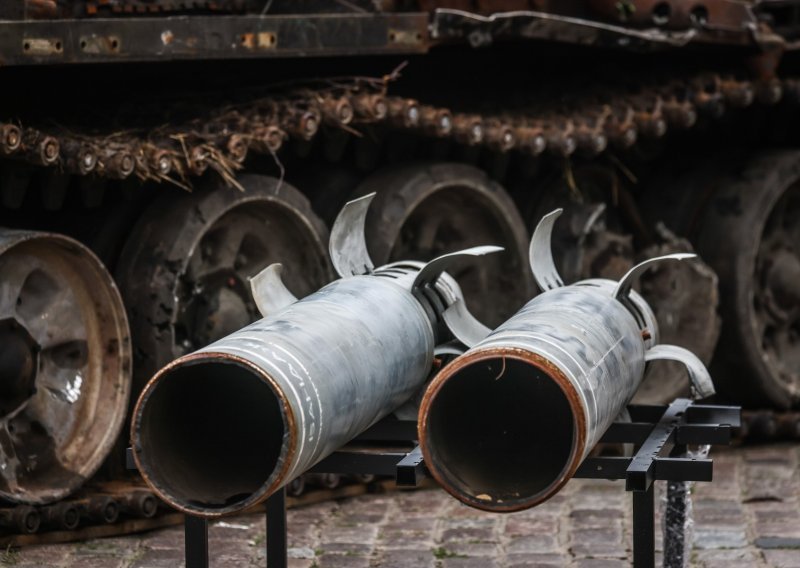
155,155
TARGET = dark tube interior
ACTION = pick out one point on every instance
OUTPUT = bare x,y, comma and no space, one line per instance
500,431
210,434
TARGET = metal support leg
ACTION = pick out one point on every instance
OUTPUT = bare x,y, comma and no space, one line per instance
276,530
644,544
196,542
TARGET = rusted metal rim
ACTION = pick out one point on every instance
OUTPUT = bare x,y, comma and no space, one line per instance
550,370
67,380
277,478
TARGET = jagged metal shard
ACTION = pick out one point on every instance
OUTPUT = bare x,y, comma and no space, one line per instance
507,423
221,429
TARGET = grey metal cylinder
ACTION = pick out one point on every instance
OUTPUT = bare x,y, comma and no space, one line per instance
504,426
221,429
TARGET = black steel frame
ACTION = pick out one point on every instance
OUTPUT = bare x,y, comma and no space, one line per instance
659,434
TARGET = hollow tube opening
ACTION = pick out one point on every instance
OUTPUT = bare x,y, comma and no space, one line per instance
210,436
501,433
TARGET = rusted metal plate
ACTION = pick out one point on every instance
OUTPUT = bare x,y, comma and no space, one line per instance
210,37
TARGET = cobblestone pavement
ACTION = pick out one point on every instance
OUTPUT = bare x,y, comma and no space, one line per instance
749,516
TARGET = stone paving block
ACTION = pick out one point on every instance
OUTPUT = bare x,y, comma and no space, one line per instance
406,559
169,538
518,526
415,524
773,510
229,561
469,563
468,533
726,558
783,529
391,541
713,537
352,548
535,543
350,534
464,512
98,548
587,518
171,554
487,520
782,558
358,518
471,549
101,562
535,560
404,539
597,535
602,543
303,552
604,550
769,488
36,556
342,561
778,542
601,563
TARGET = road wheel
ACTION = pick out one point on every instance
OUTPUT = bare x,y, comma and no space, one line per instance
750,235
65,360
184,271
424,210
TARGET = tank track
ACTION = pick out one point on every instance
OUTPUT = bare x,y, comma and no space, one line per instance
759,426
221,139
125,507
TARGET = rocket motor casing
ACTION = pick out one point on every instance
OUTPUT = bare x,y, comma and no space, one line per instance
579,338
318,373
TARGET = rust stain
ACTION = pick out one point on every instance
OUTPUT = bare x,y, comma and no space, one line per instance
264,492
549,369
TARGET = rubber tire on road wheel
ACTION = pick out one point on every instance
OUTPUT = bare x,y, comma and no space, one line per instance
155,260
449,207
729,239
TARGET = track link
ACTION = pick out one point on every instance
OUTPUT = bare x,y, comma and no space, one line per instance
222,139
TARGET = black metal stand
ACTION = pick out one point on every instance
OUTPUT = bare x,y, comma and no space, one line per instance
659,434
